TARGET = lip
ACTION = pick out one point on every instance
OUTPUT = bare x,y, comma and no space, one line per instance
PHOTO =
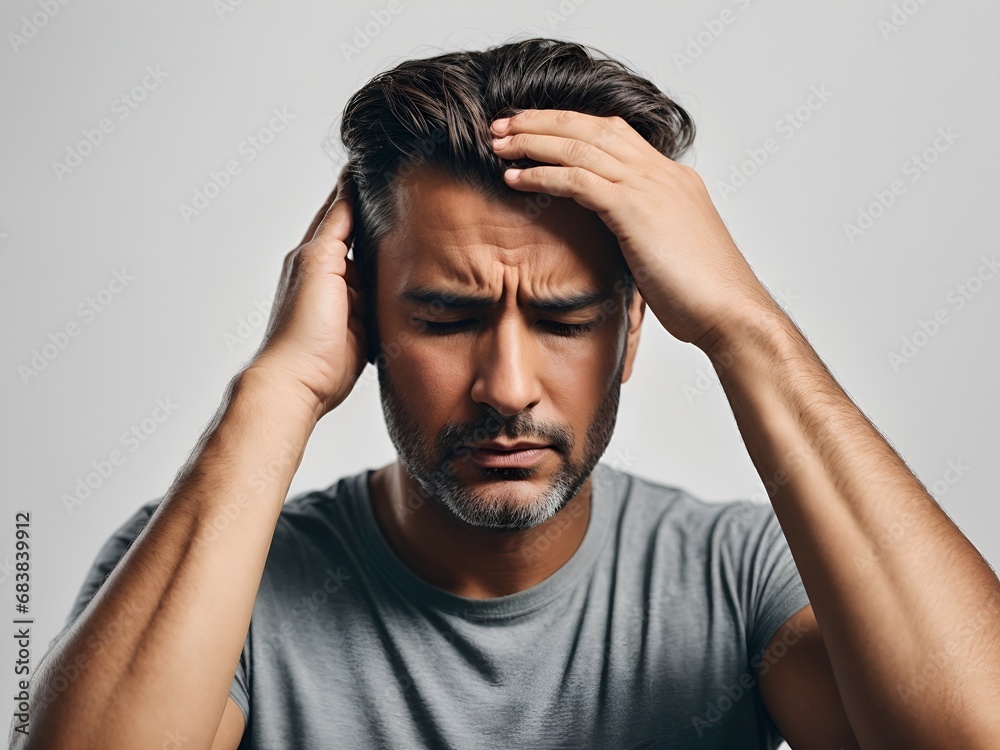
522,458
494,445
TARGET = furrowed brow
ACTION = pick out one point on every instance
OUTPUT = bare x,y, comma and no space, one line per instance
426,296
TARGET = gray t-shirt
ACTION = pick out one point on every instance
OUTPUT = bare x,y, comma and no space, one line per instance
648,637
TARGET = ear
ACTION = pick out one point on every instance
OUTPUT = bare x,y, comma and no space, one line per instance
636,312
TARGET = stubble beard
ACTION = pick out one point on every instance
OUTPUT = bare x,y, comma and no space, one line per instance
433,468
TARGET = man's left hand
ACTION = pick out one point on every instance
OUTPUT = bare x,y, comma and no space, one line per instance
686,265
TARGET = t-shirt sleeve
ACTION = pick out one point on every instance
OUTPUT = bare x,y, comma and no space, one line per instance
107,559
772,590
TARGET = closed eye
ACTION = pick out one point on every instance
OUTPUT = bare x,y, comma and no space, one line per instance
553,326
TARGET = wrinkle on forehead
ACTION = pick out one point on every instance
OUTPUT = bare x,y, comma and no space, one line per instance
447,232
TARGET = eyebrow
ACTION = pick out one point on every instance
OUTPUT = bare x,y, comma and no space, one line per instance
452,300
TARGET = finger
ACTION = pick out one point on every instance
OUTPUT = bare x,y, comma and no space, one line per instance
568,152
334,219
336,224
610,134
320,214
586,188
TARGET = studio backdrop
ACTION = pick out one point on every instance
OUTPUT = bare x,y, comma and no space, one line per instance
158,163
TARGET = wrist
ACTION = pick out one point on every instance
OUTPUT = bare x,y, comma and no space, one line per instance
752,325
280,390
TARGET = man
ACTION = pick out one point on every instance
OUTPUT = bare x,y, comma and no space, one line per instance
497,586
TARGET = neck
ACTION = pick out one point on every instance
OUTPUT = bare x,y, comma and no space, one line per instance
466,560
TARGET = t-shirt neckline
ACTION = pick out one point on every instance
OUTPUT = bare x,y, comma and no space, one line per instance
521,602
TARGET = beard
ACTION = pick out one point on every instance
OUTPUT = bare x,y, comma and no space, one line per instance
433,466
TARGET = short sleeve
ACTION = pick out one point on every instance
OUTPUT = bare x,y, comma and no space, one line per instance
108,557
772,590
240,690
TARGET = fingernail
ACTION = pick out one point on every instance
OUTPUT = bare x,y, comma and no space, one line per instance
512,174
501,124
500,142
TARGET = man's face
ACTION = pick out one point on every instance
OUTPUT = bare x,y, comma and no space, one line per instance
500,369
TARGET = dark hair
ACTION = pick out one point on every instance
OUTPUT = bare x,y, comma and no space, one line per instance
437,111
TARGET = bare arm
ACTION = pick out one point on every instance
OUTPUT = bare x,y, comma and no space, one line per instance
154,653
179,602
906,606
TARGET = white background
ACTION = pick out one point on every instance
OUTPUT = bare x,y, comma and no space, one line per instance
62,235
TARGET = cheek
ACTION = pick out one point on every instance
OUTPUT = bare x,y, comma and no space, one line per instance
433,378
578,378
572,373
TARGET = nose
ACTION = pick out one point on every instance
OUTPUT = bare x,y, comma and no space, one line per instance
507,369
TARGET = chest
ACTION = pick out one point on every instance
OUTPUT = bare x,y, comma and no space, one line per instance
598,668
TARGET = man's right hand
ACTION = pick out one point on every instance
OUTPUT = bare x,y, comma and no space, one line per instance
315,338
201,555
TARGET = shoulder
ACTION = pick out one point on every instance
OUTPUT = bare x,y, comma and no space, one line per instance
318,531
668,508
297,513
319,512
308,517
732,546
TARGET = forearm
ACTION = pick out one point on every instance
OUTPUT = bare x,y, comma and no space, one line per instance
162,637
895,586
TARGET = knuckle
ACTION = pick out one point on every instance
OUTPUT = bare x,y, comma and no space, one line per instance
519,140
564,116
576,151
607,133
578,177
325,256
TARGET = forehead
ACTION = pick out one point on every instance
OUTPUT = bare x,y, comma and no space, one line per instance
447,232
